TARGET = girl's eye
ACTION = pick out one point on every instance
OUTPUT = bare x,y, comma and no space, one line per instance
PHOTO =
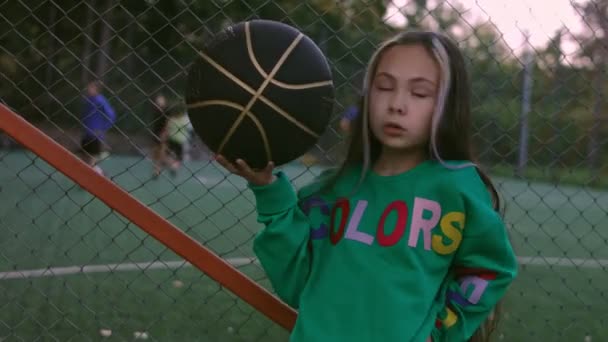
384,86
421,94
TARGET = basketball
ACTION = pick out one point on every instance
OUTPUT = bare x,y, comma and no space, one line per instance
261,91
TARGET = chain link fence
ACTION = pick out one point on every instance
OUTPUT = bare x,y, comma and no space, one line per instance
72,268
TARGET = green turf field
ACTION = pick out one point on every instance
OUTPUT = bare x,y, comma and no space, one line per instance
134,284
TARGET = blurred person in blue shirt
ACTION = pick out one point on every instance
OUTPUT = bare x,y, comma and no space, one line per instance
349,115
351,112
98,117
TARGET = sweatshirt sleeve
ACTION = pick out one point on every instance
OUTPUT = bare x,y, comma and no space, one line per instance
282,246
484,267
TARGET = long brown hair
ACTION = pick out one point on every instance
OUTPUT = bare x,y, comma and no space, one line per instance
451,136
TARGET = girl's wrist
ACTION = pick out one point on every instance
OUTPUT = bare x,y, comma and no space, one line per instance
262,183
271,180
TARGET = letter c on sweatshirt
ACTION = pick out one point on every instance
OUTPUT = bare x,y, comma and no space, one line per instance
320,232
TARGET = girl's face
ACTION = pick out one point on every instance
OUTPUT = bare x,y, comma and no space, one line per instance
402,98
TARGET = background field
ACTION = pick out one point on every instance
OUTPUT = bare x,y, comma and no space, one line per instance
127,282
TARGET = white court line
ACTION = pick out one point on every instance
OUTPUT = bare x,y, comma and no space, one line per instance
565,262
62,271
237,262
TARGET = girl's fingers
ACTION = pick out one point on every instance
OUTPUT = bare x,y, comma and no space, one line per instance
241,163
226,164
244,168
241,168
269,167
221,160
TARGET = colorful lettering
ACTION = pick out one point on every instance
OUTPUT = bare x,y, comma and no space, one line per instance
458,298
351,232
321,232
426,215
479,287
344,207
450,319
419,223
314,201
451,232
395,236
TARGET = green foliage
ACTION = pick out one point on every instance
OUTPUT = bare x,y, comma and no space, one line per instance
51,48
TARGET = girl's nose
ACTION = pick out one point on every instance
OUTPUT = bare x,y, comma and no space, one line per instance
398,104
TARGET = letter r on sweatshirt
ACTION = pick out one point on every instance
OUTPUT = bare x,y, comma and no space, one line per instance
420,224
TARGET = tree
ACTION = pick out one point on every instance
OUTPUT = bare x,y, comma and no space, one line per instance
551,60
595,47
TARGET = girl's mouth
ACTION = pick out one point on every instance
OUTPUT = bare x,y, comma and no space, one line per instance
393,129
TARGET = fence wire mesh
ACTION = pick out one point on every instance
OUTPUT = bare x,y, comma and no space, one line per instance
71,268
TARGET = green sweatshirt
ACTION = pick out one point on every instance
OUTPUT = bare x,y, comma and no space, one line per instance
403,258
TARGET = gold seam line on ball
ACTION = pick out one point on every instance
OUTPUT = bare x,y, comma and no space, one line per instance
250,90
272,80
260,90
249,114
289,117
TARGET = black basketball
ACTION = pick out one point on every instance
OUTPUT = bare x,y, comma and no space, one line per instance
260,90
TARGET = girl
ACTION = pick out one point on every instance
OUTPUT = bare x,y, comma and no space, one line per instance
404,241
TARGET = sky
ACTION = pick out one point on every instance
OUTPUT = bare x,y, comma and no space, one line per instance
541,18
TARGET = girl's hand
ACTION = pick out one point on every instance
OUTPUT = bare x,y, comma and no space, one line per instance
255,177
